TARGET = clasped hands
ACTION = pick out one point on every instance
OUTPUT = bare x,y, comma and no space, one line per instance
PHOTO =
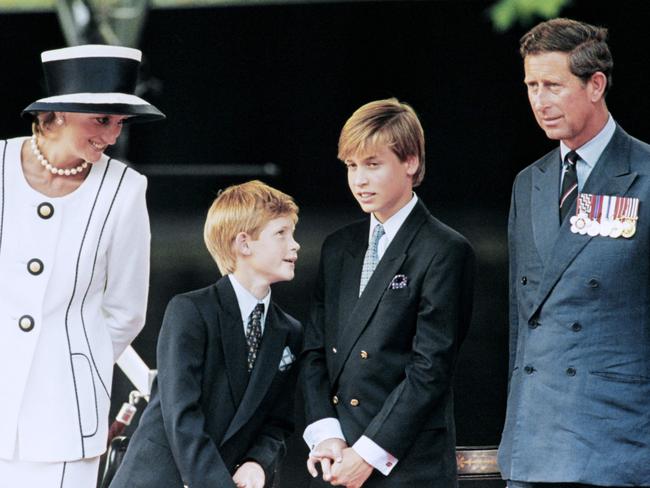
340,464
249,475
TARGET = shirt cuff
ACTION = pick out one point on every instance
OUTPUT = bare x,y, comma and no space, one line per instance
374,455
326,428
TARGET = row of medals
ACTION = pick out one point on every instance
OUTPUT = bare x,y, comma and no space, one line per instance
582,224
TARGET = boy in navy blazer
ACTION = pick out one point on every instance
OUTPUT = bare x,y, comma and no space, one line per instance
391,307
221,405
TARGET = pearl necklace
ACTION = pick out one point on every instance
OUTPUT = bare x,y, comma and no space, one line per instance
55,171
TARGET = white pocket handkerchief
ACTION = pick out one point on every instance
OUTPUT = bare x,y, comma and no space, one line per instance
287,359
398,282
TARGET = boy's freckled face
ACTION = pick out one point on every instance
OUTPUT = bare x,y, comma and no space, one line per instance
275,251
381,183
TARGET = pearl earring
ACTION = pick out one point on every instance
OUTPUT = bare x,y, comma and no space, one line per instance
59,121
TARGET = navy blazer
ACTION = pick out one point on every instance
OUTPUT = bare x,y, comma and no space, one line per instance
579,390
383,363
206,416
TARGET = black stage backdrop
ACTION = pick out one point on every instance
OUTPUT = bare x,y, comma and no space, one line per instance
274,84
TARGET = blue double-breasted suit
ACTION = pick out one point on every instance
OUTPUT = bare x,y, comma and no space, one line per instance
579,389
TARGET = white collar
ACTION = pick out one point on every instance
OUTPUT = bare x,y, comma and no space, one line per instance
393,224
592,149
247,301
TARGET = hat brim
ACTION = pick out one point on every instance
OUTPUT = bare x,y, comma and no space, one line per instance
143,112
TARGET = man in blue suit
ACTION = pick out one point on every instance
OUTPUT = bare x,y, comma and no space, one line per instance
579,236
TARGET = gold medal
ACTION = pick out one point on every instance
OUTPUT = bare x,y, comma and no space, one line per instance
629,228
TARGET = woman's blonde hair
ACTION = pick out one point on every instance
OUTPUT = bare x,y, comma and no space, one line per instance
42,121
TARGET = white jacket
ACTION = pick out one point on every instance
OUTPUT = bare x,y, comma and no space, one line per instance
73,293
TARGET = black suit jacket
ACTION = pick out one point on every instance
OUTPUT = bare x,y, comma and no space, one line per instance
206,416
382,363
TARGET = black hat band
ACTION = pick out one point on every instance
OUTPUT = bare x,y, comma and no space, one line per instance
91,75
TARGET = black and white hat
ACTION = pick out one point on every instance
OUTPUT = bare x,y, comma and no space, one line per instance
94,79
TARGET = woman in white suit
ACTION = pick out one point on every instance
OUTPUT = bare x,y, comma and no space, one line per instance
74,267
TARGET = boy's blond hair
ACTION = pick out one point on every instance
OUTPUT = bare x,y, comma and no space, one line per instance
389,122
242,208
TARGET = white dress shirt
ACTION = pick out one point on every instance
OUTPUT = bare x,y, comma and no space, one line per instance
589,152
247,302
330,427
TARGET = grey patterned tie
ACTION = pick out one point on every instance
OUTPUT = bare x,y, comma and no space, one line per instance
254,335
371,258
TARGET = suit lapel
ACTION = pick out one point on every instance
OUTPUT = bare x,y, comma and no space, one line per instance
354,324
266,367
610,176
232,339
544,202
613,177
351,273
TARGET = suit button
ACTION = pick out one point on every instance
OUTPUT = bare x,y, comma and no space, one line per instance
26,323
593,283
354,402
45,210
533,323
529,369
35,266
524,280
576,327
570,371
335,400
364,355
334,350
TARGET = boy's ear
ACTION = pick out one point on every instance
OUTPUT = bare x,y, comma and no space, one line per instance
241,244
412,164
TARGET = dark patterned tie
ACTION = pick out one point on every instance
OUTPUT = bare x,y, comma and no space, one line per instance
569,184
371,258
254,335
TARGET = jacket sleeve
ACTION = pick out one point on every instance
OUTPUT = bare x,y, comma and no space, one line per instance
512,294
314,378
127,281
181,350
445,303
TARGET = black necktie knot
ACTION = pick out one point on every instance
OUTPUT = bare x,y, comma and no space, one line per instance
571,158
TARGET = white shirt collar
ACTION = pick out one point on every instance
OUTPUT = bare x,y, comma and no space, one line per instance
592,149
247,301
393,224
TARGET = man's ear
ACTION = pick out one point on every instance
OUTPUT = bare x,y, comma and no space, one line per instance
241,244
598,82
412,164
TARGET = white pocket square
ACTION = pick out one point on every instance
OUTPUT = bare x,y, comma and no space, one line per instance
287,359
398,282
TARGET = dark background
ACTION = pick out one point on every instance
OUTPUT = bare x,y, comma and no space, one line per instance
253,85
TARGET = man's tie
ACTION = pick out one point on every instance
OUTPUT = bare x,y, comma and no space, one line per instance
371,258
254,335
569,184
